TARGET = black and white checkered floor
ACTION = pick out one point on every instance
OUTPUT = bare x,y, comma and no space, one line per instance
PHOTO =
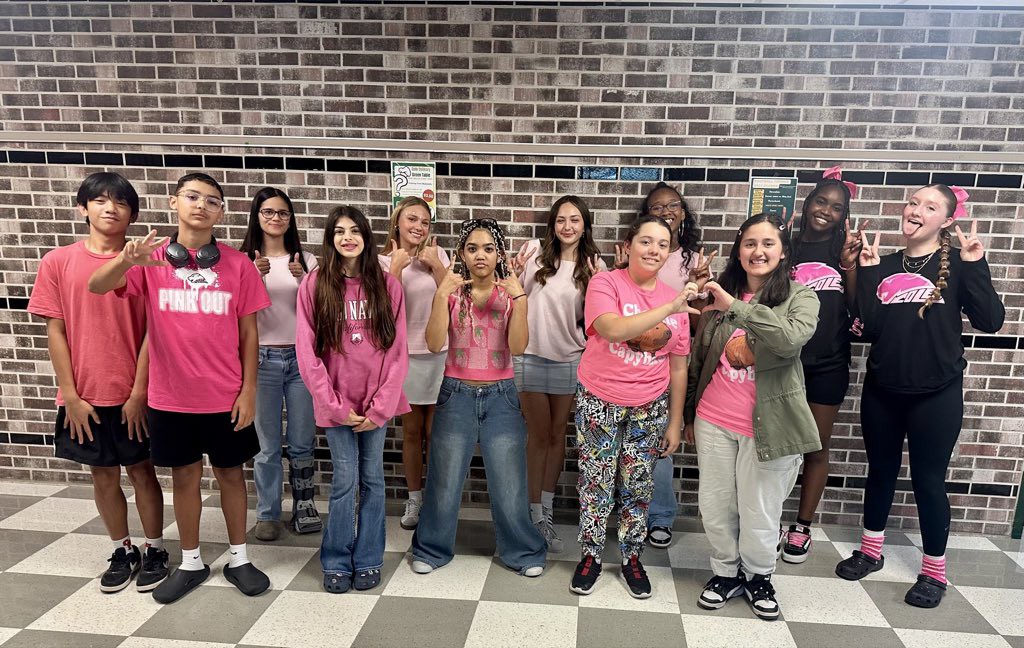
53,549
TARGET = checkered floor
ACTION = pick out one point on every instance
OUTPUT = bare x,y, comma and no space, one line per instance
53,548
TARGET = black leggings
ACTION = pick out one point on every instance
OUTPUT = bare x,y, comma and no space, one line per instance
931,424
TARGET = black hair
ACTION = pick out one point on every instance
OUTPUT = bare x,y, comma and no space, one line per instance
838,236
200,177
253,240
776,288
688,234
112,185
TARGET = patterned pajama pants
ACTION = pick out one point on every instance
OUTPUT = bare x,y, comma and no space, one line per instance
618,446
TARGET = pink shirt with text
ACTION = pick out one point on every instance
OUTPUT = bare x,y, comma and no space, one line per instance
478,338
194,359
634,372
728,400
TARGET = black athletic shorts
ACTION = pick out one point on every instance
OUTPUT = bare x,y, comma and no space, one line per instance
180,439
827,387
110,445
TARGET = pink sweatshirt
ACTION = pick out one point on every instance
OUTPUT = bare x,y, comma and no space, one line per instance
363,379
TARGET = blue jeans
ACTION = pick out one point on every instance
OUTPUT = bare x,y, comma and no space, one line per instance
354,535
488,415
279,380
663,505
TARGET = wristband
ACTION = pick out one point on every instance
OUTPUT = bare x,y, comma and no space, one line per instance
519,297
845,269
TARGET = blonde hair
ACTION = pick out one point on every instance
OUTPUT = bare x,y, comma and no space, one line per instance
408,201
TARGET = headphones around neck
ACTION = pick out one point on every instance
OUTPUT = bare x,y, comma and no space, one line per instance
179,256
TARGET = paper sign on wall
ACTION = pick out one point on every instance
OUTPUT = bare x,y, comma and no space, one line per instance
414,179
771,195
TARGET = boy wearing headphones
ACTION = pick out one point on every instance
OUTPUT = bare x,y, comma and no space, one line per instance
98,350
201,300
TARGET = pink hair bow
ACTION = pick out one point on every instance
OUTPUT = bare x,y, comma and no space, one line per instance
835,173
961,199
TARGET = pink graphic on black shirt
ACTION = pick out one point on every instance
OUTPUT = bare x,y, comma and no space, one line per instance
905,288
818,276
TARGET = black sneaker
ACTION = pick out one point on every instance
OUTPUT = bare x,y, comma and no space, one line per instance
154,569
123,565
761,594
636,578
719,590
659,536
797,545
585,577
180,583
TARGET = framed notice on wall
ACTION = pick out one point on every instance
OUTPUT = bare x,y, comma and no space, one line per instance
772,195
414,179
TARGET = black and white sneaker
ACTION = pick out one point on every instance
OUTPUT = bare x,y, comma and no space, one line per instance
797,545
636,578
123,565
761,594
719,590
585,577
154,569
659,536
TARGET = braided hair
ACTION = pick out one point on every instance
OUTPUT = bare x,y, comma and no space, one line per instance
945,242
501,270
838,238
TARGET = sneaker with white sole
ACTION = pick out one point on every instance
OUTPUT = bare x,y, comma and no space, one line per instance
547,530
123,565
411,516
798,544
761,594
719,590
421,567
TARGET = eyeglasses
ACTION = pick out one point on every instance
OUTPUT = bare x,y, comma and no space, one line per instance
208,202
658,210
282,214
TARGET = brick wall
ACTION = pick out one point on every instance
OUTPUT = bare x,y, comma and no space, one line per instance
93,86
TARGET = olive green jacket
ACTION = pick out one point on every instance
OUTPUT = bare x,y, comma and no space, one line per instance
783,424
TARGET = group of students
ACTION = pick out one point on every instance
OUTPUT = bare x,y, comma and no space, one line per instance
201,345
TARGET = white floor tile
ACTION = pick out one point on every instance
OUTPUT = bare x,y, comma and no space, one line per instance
826,600
902,562
280,564
977,543
74,554
463,578
327,620
726,632
150,642
1000,607
52,514
396,538
690,551
936,639
511,625
1017,556
7,633
211,526
8,487
611,591
90,610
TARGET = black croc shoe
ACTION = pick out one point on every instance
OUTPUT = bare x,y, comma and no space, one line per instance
180,583
927,592
859,565
249,580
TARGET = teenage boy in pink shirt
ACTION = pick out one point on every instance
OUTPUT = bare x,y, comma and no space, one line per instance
97,347
201,300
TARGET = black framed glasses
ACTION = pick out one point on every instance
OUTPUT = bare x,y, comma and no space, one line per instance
658,210
269,214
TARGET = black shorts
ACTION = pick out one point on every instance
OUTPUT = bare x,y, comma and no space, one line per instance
827,387
110,445
180,439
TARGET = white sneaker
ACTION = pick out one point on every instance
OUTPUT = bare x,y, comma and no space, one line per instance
547,529
421,567
411,517
533,572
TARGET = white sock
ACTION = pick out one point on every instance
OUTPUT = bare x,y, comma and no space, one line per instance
191,560
238,555
125,542
416,496
536,512
156,543
547,499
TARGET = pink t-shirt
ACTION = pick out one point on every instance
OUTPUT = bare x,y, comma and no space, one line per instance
728,400
276,324
363,379
635,372
193,313
478,338
675,273
104,333
419,287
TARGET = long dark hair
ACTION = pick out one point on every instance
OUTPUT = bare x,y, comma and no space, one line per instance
329,299
501,270
688,234
634,229
776,289
253,240
551,246
838,238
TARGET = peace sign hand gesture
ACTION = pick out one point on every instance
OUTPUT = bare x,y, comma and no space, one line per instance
853,244
519,261
701,273
869,253
621,258
971,248
140,253
595,265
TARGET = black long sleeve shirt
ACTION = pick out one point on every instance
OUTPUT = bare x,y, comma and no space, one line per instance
829,347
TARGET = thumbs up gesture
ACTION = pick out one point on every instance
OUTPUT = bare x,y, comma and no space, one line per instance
400,259
262,263
295,267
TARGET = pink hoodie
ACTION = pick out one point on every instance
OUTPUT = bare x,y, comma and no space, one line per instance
364,379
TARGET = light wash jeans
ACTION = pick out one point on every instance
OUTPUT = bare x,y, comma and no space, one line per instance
662,512
354,534
488,415
279,381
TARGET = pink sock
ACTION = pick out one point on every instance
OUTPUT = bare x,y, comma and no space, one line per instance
871,543
934,567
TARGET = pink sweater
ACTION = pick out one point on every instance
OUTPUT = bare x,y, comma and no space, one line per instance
364,378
